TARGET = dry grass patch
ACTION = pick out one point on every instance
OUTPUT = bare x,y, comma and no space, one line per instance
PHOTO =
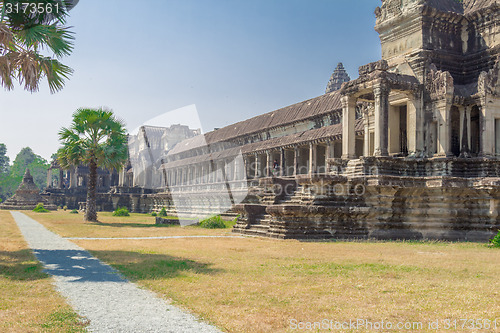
28,300
136,225
259,285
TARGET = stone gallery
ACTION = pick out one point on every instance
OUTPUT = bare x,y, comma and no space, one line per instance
408,150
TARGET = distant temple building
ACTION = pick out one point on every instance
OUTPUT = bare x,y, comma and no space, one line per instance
408,150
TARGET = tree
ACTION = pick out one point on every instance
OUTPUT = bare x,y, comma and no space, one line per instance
26,158
28,27
96,138
4,159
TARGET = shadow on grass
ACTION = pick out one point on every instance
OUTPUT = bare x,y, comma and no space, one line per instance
20,266
142,266
81,266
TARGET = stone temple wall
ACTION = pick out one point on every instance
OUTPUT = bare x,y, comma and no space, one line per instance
380,205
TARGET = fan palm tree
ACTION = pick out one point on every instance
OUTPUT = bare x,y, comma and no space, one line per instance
26,34
96,138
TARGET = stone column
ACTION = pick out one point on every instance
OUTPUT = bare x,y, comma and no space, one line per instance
444,128
257,166
72,178
415,126
330,149
269,167
366,142
295,160
381,93
49,178
348,130
282,162
121,177
312,159
61,181
236,168
464,131
487,130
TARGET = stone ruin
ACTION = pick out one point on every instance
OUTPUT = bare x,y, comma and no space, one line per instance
27,196
408,150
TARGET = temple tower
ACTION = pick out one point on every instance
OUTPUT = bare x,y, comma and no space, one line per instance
338,77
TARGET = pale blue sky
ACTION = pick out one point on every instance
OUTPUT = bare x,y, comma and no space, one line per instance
234,59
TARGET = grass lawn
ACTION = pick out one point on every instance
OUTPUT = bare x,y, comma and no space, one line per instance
28,300
136,225
262,285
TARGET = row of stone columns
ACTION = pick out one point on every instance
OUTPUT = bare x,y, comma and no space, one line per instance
381,137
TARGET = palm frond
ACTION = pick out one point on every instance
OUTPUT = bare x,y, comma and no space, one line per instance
58,39
55,72
6,72
6,37
28,70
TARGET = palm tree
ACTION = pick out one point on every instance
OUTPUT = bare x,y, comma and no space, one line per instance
96,138
25,35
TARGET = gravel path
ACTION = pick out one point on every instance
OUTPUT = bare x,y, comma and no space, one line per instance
98,292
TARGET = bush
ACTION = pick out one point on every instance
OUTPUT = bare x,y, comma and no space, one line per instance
74,211
40,209
163,212
153,214
121,211
495,242
214,222
65,208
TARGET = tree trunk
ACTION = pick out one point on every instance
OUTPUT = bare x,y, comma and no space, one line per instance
91,210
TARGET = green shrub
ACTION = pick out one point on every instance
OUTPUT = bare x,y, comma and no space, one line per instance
163,212
121,211
153,214
214,222
40,209
495,242
74,211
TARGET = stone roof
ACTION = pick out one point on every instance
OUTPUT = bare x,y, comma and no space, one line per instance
288,115
332,132
472,6
338,77
446,5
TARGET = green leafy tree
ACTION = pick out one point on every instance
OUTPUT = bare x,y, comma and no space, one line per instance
4,159
26,158
27,29
4,171
96,138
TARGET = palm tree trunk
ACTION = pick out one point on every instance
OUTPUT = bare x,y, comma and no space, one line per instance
91,210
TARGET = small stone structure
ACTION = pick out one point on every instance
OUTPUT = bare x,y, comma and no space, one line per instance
27,196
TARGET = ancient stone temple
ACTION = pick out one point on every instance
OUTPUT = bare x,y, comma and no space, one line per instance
27,196
338,77
408,150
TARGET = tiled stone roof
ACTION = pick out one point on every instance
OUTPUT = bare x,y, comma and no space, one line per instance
471,6
291,114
